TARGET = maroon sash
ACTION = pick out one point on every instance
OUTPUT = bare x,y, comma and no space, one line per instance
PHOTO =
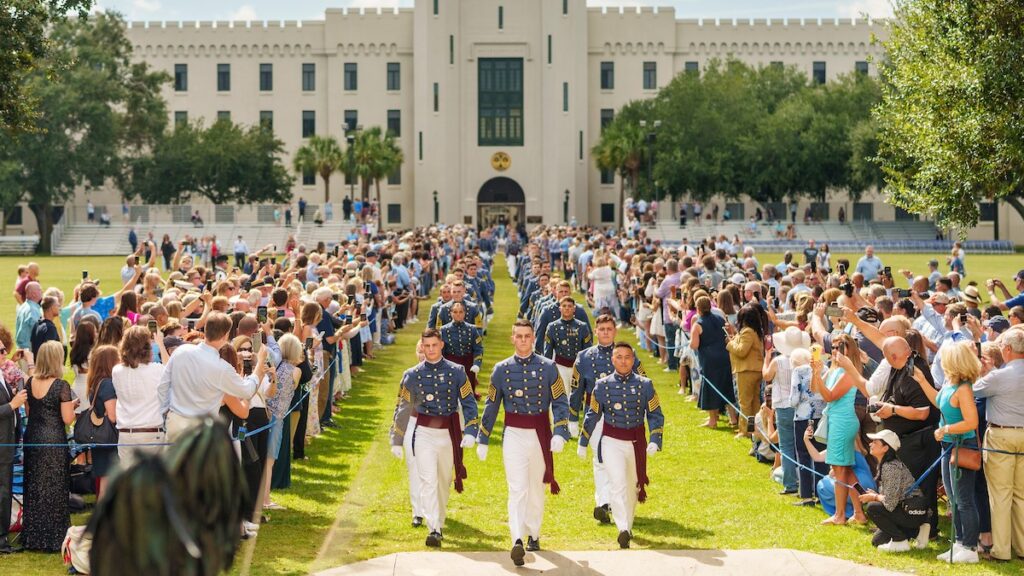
564,361
466,362
451,422
639,439
542,425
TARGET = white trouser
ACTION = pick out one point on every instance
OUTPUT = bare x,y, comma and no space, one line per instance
410,464
620,467
600,473
565,372
435,467
129,454
524,471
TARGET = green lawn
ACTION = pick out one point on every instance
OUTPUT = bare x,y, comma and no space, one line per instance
349,502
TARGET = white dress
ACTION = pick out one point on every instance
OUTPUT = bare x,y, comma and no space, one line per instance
604,288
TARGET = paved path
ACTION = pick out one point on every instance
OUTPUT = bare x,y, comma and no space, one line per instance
639,562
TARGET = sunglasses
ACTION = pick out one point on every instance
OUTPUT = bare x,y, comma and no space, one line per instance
245,349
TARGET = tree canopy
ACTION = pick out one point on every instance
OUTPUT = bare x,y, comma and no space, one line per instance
951,120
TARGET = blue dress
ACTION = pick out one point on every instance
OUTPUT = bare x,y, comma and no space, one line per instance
843,425
715,365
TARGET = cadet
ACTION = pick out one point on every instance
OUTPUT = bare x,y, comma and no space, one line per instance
591,365
410,462
624,400
444,312
565,338
446,296
529,387
552,312
463,344
433,390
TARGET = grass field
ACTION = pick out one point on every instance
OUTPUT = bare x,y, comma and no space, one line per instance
349,502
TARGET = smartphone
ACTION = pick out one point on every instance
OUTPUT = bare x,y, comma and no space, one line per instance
85,274
273,261
833,312
261,314
977,347
888,271
771,292
816,352
255,340
280,312
247,367
158,292
903,293
309,343
152,327
191,324
842,270
362,317
135,261
963,318
814,265
860,489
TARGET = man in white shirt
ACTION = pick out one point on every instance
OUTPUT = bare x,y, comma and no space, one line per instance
196,379
241,249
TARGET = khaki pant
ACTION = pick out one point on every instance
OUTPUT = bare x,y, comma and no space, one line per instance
324,388
748,387
178,425
1005,476
129,454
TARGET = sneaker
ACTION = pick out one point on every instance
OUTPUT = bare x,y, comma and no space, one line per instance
250,527
965,556
922,536
894,546
518,553
946,555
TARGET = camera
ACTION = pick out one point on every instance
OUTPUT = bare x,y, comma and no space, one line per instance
901,293
833,312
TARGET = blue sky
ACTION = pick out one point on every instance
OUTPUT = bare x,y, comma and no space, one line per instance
314,9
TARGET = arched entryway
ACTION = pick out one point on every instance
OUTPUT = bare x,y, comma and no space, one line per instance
501,201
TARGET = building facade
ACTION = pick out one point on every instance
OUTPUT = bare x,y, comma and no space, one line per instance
496,104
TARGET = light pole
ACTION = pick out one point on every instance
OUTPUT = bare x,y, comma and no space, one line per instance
650,138
565,209
350,138
437,209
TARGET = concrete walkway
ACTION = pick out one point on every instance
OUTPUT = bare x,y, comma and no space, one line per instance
640,562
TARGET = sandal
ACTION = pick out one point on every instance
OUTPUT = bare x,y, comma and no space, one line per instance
831,521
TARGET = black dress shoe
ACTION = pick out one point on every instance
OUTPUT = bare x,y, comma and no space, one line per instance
808,502
532,545
601,514
417,521
328,424
624,538
787,492
518,553
434,539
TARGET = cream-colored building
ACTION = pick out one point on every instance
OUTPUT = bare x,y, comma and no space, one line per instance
496,103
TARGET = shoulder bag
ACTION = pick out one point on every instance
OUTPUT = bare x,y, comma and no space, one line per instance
92,429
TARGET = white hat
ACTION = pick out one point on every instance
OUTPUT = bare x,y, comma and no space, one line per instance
790,339
738,278
887,436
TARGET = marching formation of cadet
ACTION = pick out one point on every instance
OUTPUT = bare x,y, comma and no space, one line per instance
436,415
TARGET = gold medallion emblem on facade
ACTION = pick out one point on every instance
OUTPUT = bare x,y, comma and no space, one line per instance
501,161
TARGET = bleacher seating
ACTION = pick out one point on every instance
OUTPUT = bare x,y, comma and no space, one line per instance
18,245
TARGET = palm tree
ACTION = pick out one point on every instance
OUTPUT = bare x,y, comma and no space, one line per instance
621,149
376,155
321,155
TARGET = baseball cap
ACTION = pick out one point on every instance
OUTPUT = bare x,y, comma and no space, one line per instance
998,324
887,436
1019,276
940,298
738,278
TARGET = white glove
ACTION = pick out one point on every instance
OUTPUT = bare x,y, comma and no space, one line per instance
481,452
574,429
475,369
557,443
397,451
582,452
468,441
652,448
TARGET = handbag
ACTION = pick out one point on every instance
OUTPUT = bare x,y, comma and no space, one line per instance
821,432
92,429
966,457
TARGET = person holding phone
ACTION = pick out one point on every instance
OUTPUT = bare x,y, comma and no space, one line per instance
12,398
901,514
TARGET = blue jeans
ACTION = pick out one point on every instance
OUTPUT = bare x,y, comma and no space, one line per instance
808,481
966,517
784,424
670,343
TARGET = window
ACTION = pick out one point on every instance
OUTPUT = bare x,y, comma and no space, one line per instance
395,122
650,75
607,75
351,120
500,102
451,49
581,144
224,115
308,178
308,77
395,213
436,2
607,115
987,211
736,211
692,67
549,48
607,212
565,96
308,123
419,147
607,176
501,17
818,74
437,97
14,216
394,76
395,178
266,77
565,7
904,216
777,64
351,76
223,77
267,120
820,211
863,211
180,118
861,66
181,77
